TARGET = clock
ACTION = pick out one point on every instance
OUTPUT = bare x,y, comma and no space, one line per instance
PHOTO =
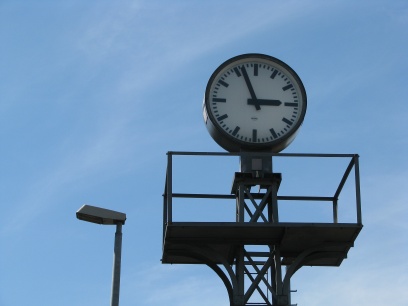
254,102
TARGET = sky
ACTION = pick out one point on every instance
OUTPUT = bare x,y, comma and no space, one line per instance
93,94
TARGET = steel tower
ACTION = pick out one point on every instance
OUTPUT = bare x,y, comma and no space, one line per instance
256,255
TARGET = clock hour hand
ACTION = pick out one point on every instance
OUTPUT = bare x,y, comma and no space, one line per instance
250,88
264,102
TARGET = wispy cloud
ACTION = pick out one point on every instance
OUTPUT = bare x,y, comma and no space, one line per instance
154,38
176,285
146,40
363,285
370,266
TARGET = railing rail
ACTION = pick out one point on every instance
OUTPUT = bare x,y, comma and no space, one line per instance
168,195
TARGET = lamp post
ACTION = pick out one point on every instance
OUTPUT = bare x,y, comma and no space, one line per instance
108,217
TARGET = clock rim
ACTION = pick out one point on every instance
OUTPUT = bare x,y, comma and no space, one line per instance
233,144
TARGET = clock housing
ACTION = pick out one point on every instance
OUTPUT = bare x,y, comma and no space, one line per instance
254,102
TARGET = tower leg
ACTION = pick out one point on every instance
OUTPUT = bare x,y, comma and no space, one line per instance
239,293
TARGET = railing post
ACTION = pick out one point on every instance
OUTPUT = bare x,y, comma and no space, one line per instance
335,210
169,188
358,195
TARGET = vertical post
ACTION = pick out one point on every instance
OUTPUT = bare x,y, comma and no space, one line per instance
289,290
240,257
165,213
274,198
116,265
278,274
241,203
335,211
239,298
169,188
239,290
358,195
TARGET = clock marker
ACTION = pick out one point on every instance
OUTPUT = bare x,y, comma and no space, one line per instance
222,117
287,121
273,133
293,104
235,131
284,88
237,72
255,69
254,135
219,100
274,73
223,83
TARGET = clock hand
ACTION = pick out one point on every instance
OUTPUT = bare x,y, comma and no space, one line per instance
264,102
250,88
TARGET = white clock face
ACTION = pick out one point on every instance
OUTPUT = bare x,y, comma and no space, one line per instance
256,101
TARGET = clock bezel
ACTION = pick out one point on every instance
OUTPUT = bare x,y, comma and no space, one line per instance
229,142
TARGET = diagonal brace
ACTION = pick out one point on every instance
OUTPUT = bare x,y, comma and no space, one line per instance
258,208
258,279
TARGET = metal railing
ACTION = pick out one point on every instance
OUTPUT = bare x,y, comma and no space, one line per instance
169,195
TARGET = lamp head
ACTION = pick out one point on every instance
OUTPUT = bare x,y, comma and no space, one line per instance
100,215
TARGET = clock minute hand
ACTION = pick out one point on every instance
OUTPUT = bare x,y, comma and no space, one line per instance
250,88
264,102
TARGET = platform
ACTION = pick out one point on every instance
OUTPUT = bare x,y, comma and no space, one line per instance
296,243
327,243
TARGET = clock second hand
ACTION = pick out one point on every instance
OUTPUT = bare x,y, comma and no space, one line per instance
264,102
250,88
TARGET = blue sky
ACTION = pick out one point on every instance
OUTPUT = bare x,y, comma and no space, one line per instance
94,93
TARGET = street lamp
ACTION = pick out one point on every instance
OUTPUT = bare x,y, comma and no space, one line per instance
108,217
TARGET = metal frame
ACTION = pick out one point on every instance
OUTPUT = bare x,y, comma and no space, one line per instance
256,217
354,163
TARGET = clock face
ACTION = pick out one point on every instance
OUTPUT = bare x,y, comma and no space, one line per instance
254,102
